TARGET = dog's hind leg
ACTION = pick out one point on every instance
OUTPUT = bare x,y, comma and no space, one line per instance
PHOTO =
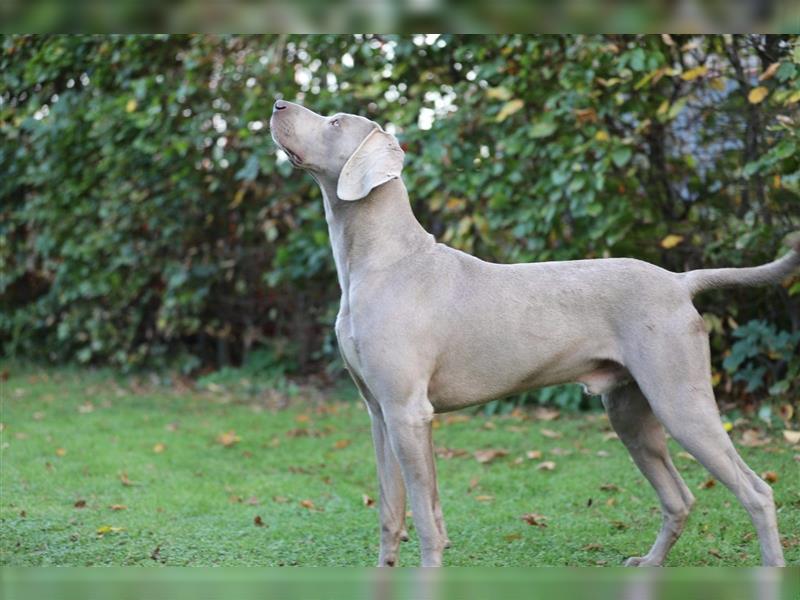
672,369
643,436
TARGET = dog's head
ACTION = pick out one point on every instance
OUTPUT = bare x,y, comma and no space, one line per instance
349,150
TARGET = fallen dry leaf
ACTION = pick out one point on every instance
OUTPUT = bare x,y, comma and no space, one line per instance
234,499
307,504
80,504
473,483
602,453
609,487
619,525
770,476
118,507
516,429
123,477
280,499
752,438
368,502
159,448
714,552
487,456
611,501
707,484
228,438
534,519
173,427
534,454
61,452
341,444
549,433
592,547
512,537
687,456
611,435
299,432
543,413
489,425
448,453
258,521
546,465
302,418
23,514
793,437
252,501
484,498
560,452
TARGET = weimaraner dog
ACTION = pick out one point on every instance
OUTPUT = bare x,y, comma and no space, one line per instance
426,329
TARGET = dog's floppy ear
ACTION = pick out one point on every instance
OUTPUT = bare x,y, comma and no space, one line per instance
377,159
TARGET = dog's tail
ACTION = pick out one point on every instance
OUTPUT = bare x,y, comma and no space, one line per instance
771,273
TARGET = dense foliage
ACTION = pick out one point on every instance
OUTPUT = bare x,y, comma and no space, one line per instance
146,217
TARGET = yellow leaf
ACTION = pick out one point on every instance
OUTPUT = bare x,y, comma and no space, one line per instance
131,105
238,197
718,83
509,108
715,379
693,74
793,437
601,136
340,444
727,426
671,241
61,452
498,93
795,97
159,448
663,108
769,71
104,529
757,94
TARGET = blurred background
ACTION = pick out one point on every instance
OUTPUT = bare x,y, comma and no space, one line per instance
148,221
408,16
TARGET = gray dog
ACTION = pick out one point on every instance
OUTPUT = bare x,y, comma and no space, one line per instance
425,329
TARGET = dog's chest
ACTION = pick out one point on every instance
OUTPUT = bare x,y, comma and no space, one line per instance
348,343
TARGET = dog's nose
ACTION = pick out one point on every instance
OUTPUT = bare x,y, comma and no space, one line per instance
280,105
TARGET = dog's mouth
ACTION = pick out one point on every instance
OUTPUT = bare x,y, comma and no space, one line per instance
294,158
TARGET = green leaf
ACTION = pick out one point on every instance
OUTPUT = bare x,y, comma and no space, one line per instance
542,129
621,156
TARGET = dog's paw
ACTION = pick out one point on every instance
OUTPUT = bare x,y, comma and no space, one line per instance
641,561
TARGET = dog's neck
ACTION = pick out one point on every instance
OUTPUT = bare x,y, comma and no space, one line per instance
372,233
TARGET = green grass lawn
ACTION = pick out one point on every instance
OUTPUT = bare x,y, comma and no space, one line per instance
104,471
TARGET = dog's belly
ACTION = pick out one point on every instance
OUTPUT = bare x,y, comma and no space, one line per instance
455,389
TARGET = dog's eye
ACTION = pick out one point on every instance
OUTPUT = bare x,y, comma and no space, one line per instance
335,123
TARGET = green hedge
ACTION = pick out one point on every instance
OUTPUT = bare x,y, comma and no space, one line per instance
145,219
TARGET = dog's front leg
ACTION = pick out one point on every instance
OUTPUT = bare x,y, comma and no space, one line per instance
408,425
392,492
